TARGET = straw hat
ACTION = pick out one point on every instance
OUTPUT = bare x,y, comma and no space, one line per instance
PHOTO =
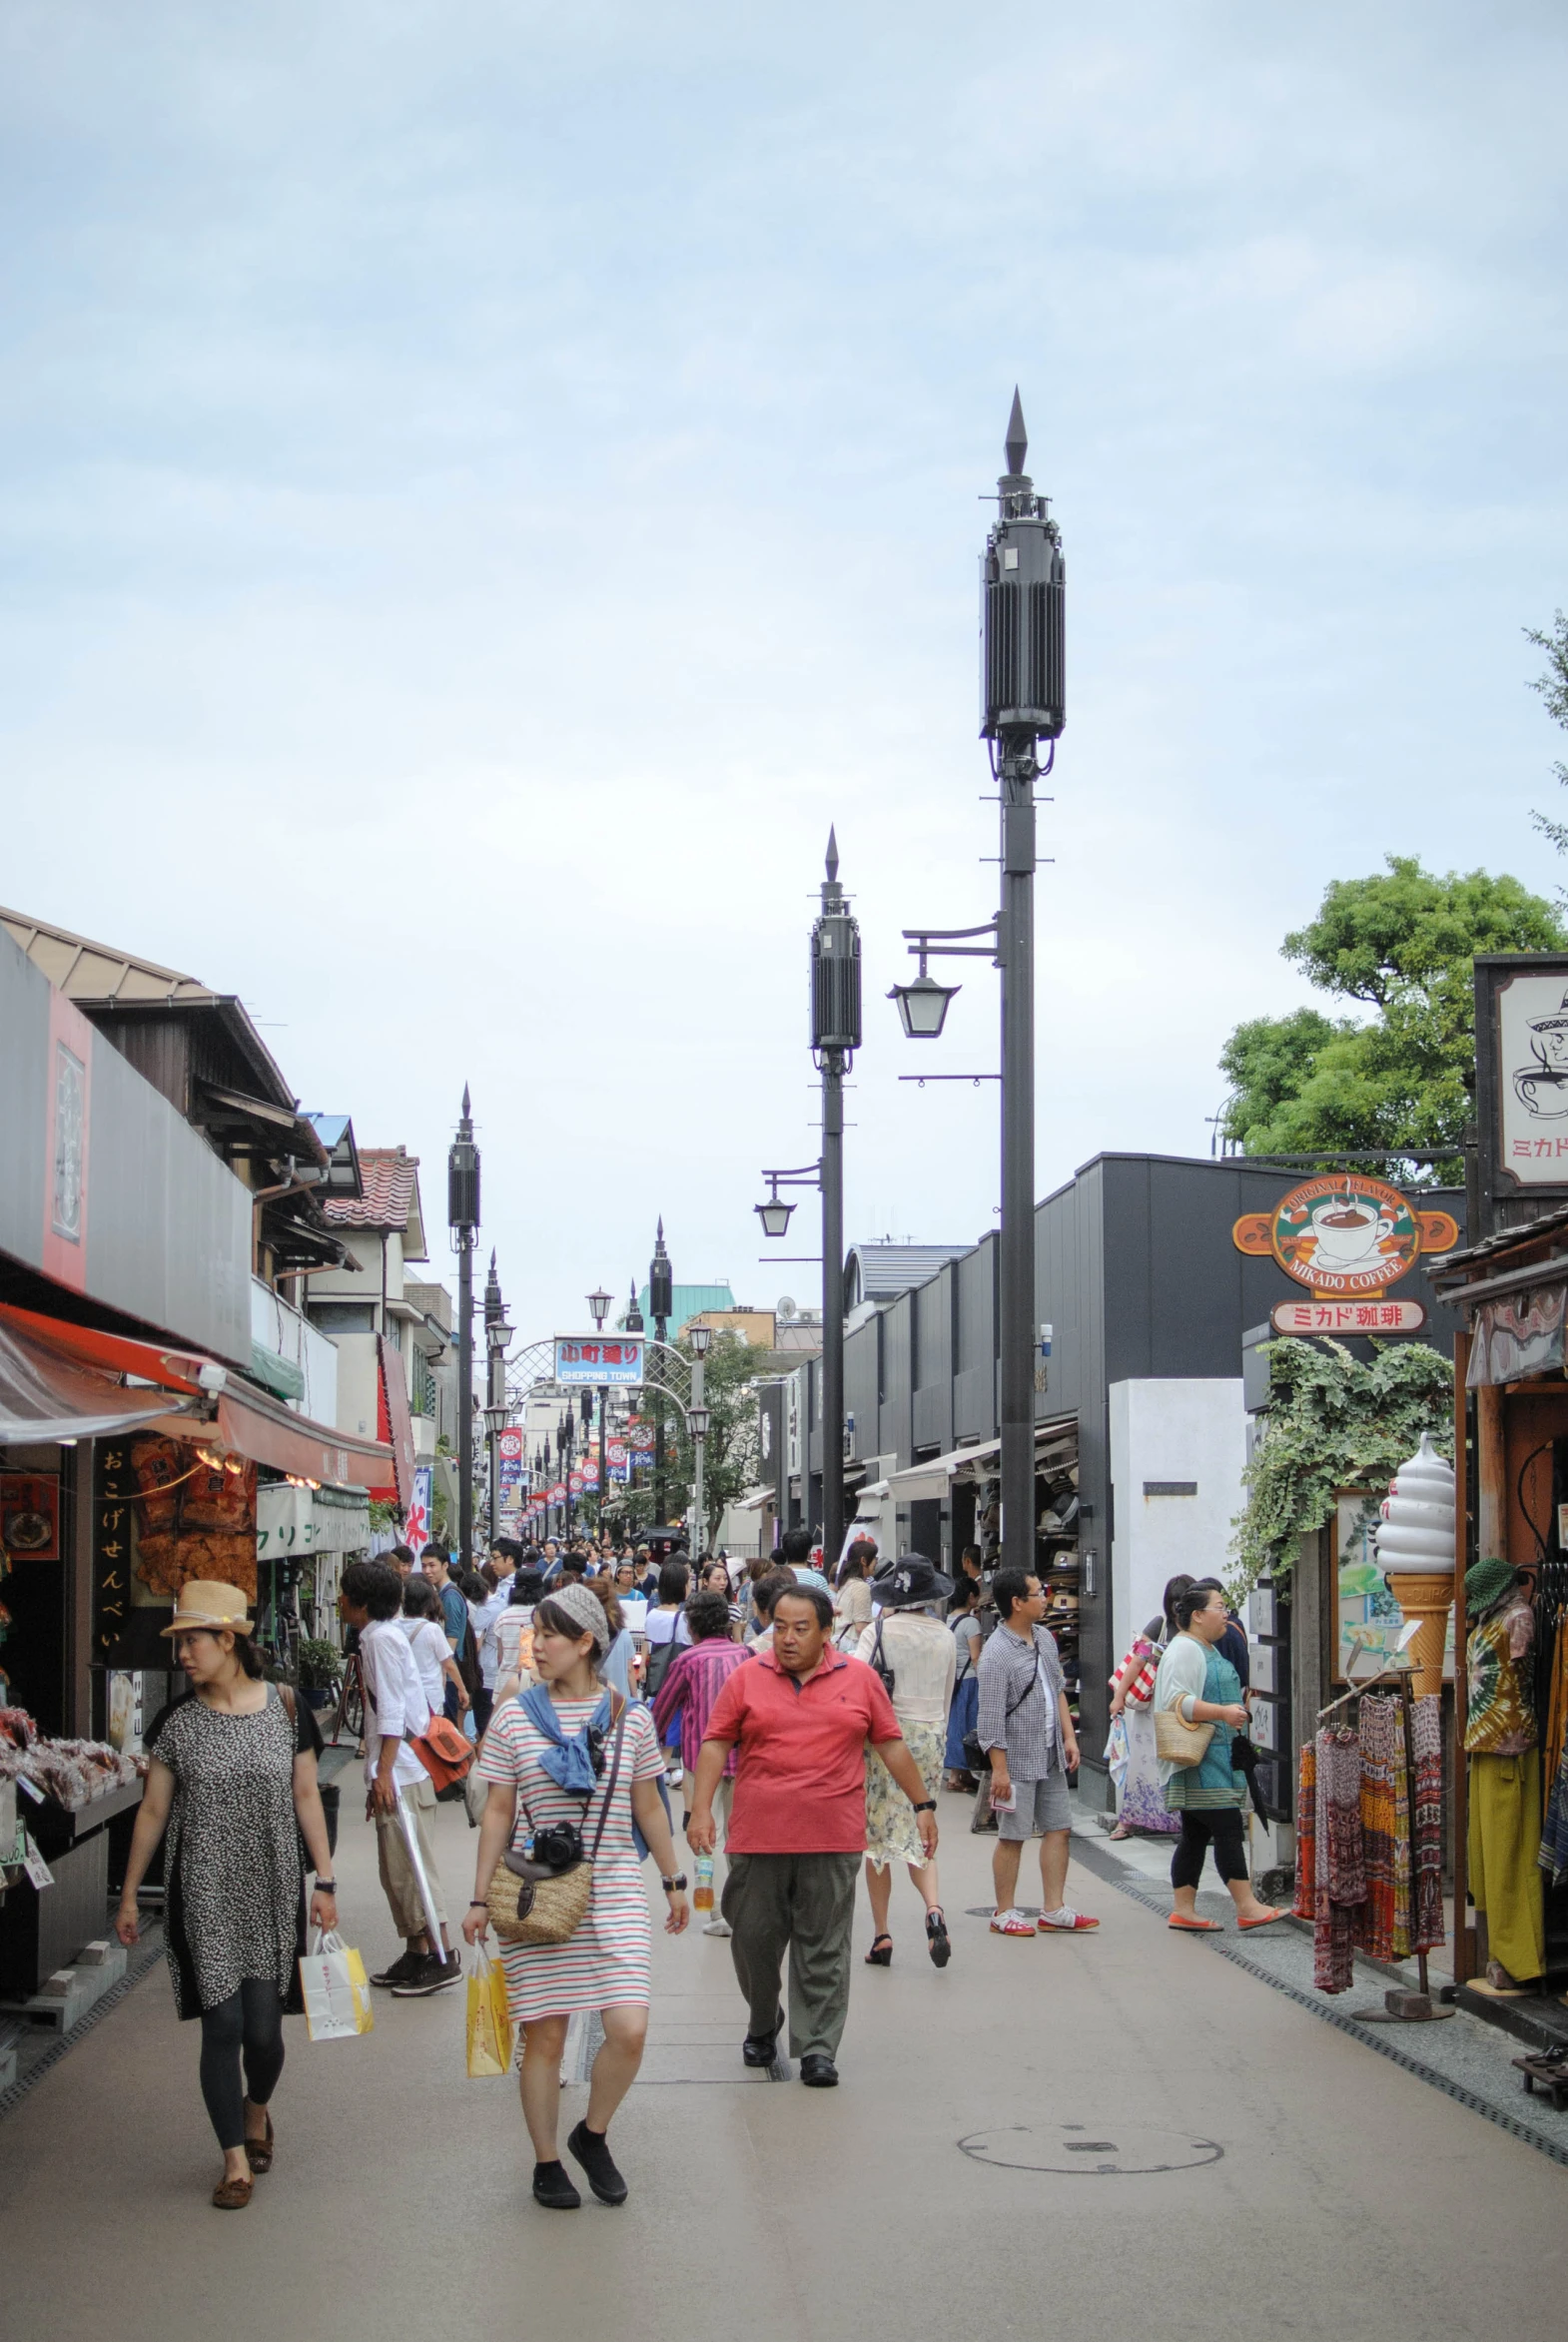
205,1603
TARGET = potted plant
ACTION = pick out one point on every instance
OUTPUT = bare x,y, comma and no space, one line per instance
320,1671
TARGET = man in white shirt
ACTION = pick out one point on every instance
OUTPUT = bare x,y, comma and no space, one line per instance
397,1785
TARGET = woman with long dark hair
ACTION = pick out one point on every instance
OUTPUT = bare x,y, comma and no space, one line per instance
233,1779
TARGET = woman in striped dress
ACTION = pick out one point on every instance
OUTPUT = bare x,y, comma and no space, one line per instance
538,1776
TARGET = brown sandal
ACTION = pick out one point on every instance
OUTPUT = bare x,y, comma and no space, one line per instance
258,2151
232,2195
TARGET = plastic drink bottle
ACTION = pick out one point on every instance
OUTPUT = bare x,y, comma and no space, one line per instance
703,1896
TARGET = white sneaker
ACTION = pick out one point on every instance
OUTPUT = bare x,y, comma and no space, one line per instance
717,1927
1010,1922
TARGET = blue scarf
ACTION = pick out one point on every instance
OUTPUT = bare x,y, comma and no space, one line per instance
567,1762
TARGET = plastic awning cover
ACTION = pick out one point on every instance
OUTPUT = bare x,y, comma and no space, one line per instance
48,1392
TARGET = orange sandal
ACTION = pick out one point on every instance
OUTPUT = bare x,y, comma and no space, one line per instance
1266,1920
1195,1926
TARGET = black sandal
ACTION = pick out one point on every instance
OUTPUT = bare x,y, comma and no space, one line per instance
876,1958
936,1942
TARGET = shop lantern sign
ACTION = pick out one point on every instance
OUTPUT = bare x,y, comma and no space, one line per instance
1521,1068
1346,1240
604,1360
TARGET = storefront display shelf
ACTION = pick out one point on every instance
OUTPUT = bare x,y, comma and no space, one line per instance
56,1827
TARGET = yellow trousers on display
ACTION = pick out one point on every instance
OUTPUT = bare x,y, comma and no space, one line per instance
1504,1839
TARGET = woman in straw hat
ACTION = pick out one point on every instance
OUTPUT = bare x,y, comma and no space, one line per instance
233,1777
908,1645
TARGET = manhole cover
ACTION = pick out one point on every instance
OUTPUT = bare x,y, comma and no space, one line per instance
1078,2149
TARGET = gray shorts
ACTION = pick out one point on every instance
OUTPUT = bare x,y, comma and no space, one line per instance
1042,1805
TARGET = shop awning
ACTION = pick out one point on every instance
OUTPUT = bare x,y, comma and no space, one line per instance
48,1392
931,1478
264,1430
755,1499
118,1354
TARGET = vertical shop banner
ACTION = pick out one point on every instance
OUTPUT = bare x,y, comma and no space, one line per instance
114,1485
416,1530
511,1474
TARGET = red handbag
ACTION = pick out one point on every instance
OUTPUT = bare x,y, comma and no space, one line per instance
446,1753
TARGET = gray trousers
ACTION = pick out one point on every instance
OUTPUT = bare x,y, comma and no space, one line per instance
807,1902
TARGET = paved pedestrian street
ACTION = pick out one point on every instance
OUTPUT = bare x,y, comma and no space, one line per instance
1104,2136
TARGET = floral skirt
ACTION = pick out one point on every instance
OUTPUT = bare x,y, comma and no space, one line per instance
891,1832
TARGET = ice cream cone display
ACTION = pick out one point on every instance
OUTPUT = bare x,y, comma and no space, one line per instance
1415,1551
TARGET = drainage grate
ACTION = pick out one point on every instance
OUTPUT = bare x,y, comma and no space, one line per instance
1073,2148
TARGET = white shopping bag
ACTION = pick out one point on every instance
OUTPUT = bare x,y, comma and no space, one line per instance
337,1990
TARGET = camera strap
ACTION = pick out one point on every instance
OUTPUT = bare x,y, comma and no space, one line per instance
616,1757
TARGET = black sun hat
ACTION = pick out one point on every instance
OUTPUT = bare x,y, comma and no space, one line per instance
909,1582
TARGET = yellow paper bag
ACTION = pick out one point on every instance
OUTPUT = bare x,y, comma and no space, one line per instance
489,2020
337,1990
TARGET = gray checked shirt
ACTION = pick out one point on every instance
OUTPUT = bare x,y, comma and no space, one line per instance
1013,1714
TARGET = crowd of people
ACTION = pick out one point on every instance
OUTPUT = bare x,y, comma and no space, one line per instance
805,1728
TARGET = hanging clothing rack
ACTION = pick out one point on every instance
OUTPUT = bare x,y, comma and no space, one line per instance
1402,2007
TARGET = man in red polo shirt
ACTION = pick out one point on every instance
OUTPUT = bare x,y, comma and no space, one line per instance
799,1717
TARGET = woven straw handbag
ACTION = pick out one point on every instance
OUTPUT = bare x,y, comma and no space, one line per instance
530,1904
1179,1742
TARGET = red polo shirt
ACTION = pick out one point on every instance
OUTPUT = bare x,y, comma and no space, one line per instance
800,1784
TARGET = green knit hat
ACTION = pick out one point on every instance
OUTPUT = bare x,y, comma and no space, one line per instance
1486,1583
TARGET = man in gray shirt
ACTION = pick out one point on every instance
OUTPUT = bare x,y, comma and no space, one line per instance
1026,1729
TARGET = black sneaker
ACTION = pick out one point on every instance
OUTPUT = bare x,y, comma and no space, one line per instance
432,1976
593,2150
553,2189
401,1969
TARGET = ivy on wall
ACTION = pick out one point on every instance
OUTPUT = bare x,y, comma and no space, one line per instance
1332,1423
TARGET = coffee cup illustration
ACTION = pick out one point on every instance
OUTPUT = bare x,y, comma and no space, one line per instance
1347,1230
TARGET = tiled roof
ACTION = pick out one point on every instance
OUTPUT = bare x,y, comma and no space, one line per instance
390,1175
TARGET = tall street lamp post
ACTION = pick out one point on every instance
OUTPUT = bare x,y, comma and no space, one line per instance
496,1336
1022,701
697,1420
462,1217
599,1303
661,1307
633,1325
835,1037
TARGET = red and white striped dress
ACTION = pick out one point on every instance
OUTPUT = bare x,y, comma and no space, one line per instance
609,1962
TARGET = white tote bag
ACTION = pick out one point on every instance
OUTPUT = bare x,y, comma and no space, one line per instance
337,1990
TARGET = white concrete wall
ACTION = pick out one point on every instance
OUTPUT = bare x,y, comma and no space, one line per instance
1172,1429
280,1328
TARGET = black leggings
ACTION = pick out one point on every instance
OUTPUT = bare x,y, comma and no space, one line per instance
1216,1825
484,1702
248,2022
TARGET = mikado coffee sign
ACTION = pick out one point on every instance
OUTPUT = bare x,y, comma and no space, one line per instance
1346,1240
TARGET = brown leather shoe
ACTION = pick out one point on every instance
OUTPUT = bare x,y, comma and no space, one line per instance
232,2195
258,2151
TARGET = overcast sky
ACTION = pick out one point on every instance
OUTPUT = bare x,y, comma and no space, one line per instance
482,486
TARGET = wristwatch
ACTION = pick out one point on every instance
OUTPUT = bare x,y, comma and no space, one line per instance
325,1886
927,1805
675,1886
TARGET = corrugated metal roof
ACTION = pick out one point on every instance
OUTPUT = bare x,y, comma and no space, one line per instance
880,1272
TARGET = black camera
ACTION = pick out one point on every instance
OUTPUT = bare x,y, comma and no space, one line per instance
558,1845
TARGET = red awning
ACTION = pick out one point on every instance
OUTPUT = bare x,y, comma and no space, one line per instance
116,1353
46,1392
59,1381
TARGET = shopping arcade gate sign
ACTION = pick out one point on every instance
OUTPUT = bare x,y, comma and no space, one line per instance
1346,1238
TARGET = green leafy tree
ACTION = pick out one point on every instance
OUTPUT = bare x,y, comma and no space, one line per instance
1553,689
732,1455
1332,1423
1399,944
